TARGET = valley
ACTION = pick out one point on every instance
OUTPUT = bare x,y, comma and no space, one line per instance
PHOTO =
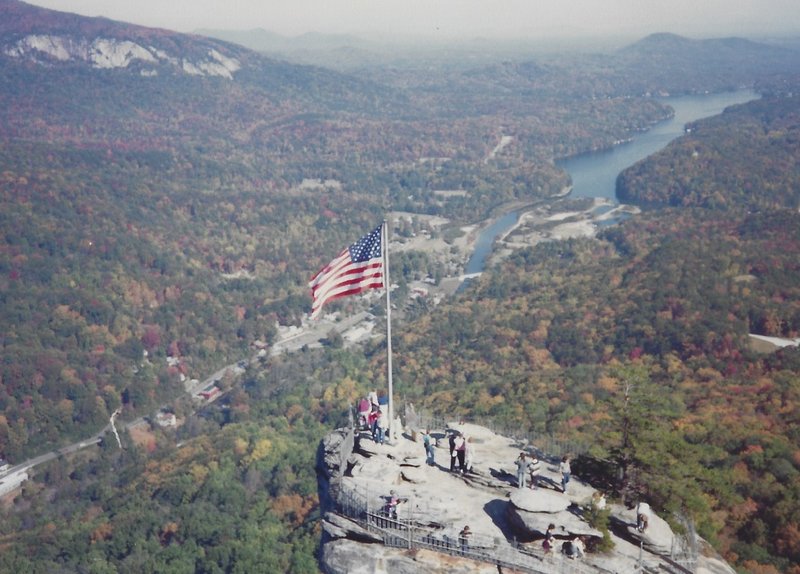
159,224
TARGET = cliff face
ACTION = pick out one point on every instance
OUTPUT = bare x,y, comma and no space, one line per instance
507,524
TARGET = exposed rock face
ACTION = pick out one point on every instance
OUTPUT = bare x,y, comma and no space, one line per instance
357,477
530,512
334,456
346,557
657,538
340,527
531,523
539,501
115,53
336,449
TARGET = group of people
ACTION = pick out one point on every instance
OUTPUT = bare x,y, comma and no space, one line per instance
372,415
461,451
572,548
533,468
528,468
525,468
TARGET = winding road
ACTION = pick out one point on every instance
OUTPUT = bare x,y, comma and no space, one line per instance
311,335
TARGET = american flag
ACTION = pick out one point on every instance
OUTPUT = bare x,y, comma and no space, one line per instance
356,269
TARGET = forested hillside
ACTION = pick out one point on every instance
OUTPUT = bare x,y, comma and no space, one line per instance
165,212
234,491
655,315
152,212
744,158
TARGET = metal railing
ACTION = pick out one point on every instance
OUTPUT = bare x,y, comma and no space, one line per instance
545,445
407,531
411,529
684,551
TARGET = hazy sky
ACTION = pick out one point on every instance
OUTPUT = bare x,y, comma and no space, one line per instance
455,18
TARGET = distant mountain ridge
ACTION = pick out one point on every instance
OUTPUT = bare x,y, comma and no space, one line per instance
711,64
659,64
44,42
263,40
674,43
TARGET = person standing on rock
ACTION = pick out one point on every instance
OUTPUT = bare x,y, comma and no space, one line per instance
383,427
468,454
426,442
452,442
642,516
379,426
373,399
372,419
566,473
363,411
535,468
522,469
463,538
461,452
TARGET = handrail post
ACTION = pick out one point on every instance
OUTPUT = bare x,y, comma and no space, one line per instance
641,551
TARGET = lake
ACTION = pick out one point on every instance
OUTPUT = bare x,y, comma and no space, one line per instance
595,174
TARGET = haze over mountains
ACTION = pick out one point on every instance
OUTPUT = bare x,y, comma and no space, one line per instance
71,37
417,21
165,197
349,52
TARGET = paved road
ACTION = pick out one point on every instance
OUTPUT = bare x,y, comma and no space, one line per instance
64,450
311,336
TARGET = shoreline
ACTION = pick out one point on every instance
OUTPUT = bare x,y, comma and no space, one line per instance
548,219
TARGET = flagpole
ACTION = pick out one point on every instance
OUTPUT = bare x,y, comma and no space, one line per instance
387,285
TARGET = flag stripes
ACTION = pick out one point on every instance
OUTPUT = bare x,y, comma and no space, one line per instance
356,269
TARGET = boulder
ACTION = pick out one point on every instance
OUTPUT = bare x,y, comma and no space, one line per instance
369,447
534,524
710,562
346,557
657,537
333,531
539,500
380,467
337,526
334,450
476,478
379,472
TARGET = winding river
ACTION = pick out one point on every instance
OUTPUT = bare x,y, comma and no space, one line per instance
595,174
